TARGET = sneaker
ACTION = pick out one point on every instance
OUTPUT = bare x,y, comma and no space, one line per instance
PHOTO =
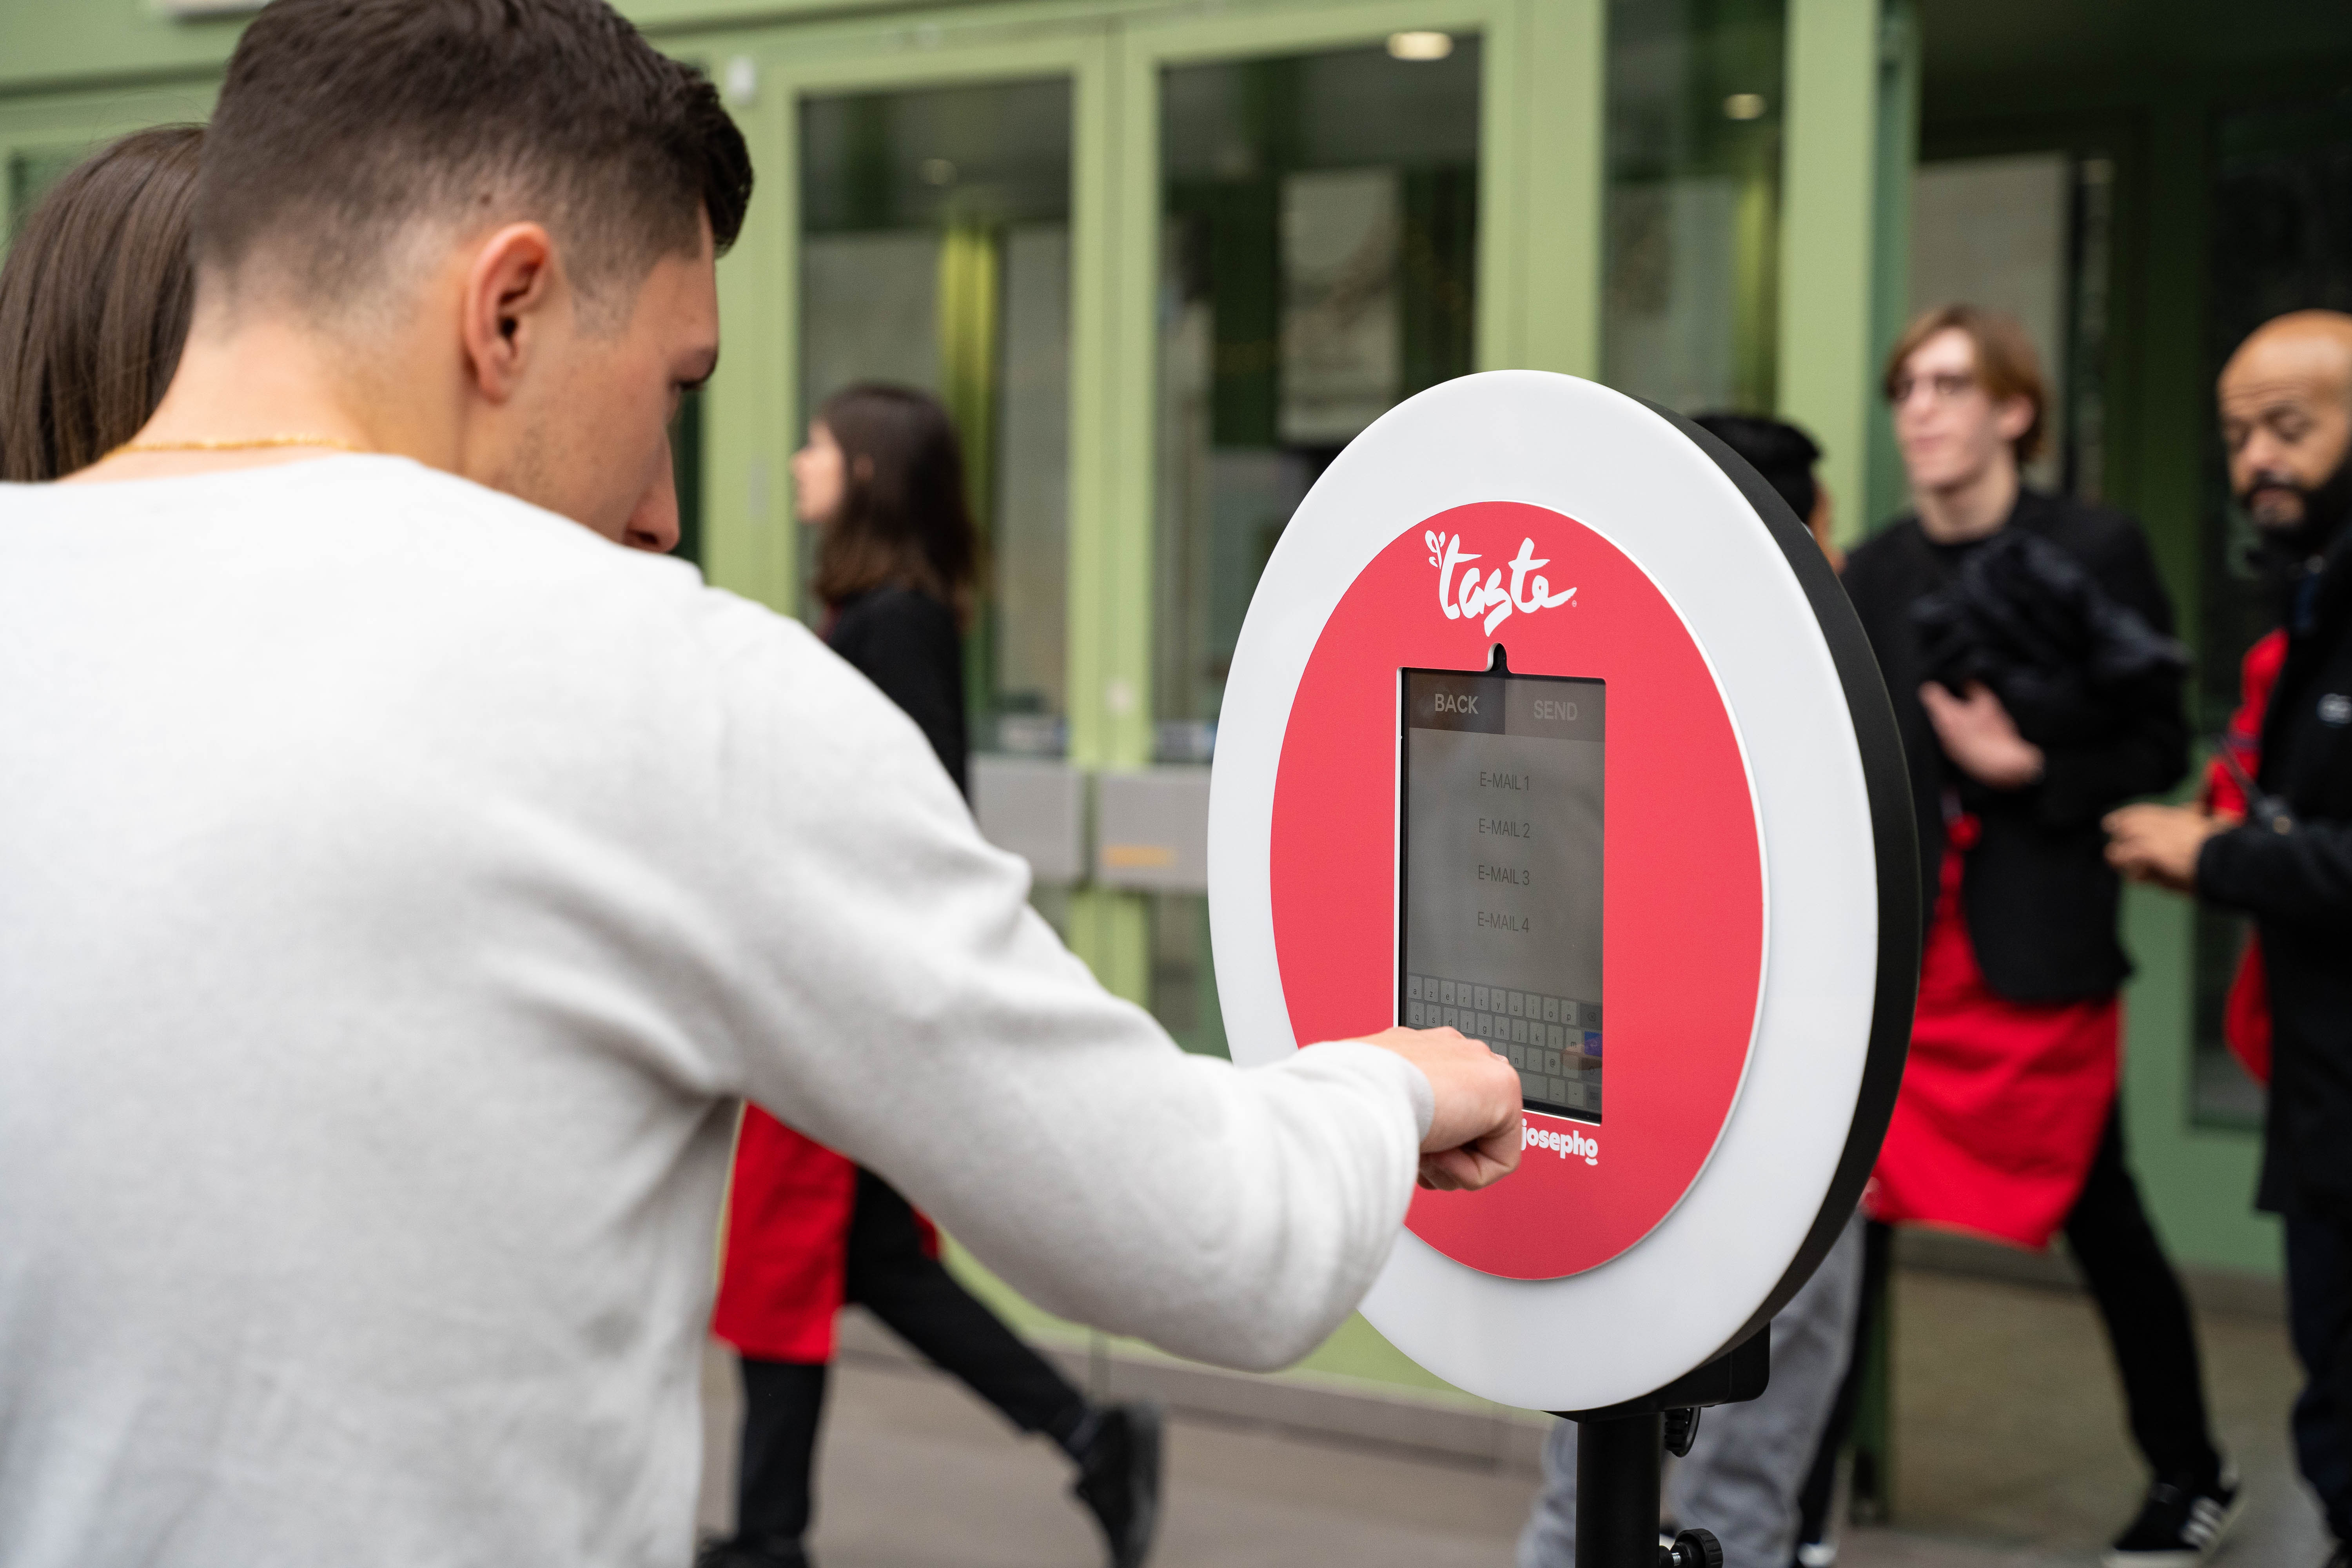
2178,1527
1119,1480
1816,1553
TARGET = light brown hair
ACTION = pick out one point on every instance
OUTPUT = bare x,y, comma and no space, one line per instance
94,302
904,519
2006,367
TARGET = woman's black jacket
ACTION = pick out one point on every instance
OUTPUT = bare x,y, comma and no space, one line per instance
907,644
2039,900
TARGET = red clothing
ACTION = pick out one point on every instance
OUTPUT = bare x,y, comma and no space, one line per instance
787,1243
787,1262
2246,1016
2002,1103
2257,673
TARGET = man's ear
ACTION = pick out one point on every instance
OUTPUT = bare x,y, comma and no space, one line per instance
509,288
2013,418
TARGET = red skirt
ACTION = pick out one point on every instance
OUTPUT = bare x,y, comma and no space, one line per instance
786,1269
2003,1103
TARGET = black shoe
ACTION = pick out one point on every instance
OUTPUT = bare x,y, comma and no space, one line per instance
1119,1478
734,1552
2178,1527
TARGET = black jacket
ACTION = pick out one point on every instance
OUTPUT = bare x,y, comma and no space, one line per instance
2040,900
2295,877
906,643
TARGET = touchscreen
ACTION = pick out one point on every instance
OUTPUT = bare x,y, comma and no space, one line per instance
1499,866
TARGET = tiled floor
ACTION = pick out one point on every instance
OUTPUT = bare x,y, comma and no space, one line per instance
2010,1427
2011,1454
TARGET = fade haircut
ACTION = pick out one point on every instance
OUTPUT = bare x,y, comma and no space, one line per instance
342,123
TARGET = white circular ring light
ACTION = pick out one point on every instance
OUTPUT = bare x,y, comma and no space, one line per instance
1841,870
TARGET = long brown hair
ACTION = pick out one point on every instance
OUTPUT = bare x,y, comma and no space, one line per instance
904,519
94,302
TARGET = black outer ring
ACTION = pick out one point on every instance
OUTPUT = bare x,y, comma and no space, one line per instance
1895,836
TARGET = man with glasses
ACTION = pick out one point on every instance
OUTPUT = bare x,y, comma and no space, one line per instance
2026,640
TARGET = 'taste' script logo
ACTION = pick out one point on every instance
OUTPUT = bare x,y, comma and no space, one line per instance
1495,601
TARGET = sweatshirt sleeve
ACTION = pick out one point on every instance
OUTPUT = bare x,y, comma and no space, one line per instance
893,995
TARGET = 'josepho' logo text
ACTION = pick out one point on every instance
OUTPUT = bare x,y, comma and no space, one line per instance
1471,598
1566,1145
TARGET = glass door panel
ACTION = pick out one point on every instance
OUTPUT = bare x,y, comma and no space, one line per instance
935,251
1691,292
1319,265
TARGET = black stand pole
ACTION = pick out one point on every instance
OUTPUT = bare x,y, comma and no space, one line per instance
1620,1455
1618,1463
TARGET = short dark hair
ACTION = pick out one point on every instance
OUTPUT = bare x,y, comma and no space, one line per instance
1783,454
340,121
905,520
2007,365
94,303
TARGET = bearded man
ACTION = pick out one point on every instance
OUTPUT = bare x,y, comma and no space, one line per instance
2286,420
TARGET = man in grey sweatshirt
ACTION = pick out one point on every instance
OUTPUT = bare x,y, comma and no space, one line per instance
401,881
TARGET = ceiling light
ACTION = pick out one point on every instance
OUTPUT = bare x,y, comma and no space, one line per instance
1744,105
1420,45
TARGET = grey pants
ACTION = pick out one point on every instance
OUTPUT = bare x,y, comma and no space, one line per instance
1742,1476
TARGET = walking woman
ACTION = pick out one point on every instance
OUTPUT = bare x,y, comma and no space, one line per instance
808,1231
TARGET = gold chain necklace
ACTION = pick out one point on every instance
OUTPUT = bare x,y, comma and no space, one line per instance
249,443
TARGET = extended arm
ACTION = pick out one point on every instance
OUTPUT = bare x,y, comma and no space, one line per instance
903,1004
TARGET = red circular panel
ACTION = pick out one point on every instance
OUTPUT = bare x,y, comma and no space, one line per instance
1682,892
